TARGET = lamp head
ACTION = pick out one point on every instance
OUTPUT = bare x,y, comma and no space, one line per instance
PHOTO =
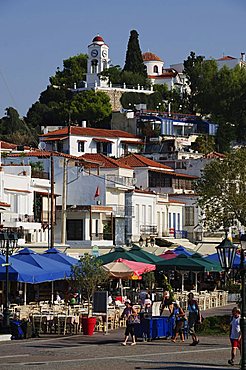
226,252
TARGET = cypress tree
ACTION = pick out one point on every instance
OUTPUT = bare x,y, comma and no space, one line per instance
134,60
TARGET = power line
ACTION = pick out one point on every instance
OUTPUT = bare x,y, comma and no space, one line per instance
9,91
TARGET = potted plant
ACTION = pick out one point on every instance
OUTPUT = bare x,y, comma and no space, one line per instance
87,274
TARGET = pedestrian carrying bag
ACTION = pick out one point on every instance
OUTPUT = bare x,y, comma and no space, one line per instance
133,319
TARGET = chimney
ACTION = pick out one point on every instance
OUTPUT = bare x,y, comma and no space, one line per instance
83,124
243,57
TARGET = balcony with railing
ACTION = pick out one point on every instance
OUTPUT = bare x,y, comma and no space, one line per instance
40,174
118,211
16,221
101,236
116,181
148,229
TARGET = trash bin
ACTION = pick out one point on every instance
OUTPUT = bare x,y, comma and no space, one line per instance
16,329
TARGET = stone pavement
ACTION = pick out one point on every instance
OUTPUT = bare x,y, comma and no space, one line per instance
99,351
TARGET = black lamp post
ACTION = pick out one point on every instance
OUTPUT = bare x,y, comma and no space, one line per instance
243,298
226,252
8,243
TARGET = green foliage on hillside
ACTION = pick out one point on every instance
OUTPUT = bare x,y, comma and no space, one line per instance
14,129
134,60
222,191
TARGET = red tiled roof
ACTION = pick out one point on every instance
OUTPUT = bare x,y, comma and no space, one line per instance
148,56
104,161
174,174
176,201
46,154
138,160
143,191
214,155
43,154
227,57
56,138
3,204
131,142
98,140
18,190
87,131
6,145
98,38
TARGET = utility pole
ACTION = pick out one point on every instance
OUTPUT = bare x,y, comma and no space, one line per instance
52,216
64,203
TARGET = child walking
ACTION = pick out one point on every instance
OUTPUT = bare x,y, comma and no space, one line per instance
235,334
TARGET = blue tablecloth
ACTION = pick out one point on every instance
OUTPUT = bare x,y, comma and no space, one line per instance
154,327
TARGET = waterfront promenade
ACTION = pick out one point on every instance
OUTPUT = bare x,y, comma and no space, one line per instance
105,352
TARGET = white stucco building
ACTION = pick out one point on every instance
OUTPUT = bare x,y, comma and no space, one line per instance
157,74
24,203
77,141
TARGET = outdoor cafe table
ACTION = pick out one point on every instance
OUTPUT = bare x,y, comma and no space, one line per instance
154,327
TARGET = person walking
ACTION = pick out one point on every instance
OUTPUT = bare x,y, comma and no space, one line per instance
129,313
166,302
179,316
193,318
235,334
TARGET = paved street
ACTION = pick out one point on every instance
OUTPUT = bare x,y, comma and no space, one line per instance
105,352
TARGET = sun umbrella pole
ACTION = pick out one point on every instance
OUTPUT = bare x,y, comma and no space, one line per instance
196,273
52,291
182,282
25,290
121,287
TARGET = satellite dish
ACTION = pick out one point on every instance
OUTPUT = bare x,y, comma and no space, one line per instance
41,145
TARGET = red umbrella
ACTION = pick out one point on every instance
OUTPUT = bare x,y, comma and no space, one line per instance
122,268
168,255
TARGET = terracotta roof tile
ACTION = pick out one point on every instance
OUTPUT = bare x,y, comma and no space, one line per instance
6,145
3,204
87,131
227,57
148,56
104,161
46,154
138,160
214,155
175,174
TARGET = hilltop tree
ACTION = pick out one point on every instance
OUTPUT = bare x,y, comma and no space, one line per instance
204,144
90,106
222,191
201,76
74,71
134,60
15,130
60,105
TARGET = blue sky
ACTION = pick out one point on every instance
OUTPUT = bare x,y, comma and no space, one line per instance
37,35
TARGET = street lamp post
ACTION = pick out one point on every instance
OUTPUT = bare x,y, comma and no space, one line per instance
226,253
8,243
243,299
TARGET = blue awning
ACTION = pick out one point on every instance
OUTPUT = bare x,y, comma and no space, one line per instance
55,255
54,269
23,272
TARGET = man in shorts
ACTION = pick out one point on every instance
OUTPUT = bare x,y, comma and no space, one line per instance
235,334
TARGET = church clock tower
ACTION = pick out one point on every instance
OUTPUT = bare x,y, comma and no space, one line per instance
98,61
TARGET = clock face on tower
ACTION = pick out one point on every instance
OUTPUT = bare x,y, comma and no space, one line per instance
104,53
94,53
